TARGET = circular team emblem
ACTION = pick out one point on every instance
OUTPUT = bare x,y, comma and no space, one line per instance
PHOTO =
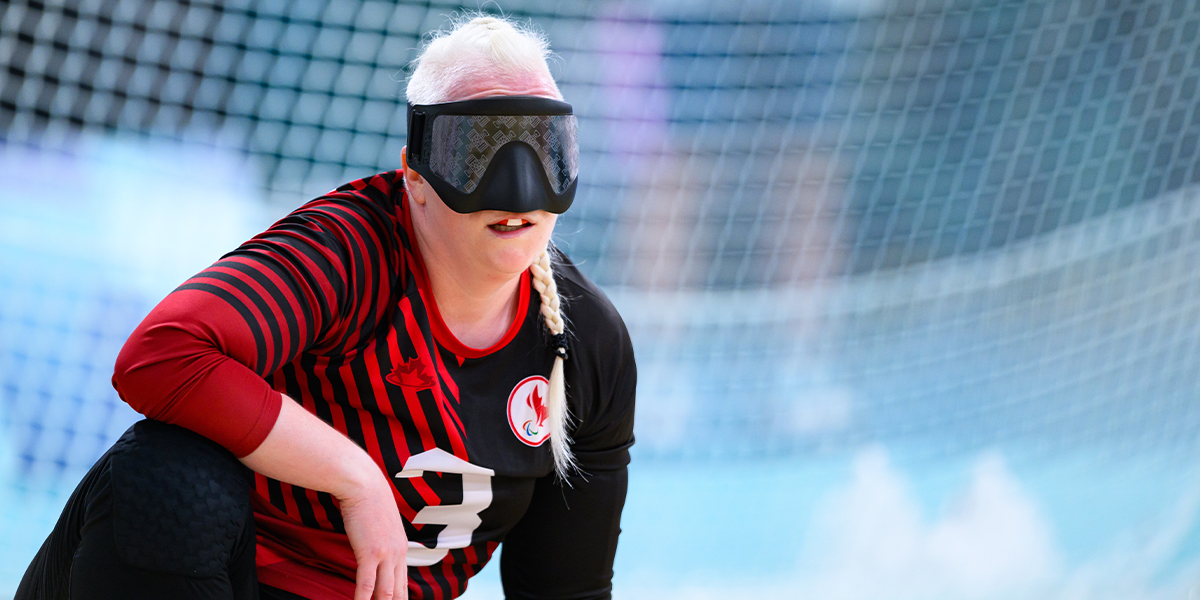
527,410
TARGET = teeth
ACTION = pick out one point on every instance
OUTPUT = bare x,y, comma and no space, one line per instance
513,223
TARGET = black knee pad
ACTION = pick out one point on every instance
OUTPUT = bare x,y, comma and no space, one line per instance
180,501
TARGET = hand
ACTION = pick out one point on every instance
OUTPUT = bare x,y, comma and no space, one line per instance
377,537
303,450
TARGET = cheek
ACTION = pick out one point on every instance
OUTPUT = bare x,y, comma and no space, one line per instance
538,242
449,224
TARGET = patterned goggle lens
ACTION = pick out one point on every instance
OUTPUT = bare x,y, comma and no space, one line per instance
463,146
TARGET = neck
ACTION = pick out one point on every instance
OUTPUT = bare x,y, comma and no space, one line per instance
478,307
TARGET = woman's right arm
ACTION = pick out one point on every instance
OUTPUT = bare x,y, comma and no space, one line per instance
187,364
302,450
200,358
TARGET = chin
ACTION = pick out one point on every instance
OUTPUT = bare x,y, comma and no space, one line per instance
513,260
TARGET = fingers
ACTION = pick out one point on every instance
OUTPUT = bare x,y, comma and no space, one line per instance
385,583
376,534
402,581
381,581
364,580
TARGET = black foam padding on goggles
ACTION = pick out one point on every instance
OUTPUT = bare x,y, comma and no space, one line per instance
509,153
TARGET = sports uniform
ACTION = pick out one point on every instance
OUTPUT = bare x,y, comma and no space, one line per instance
331,306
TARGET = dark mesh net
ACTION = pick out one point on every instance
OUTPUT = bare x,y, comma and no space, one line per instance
965,223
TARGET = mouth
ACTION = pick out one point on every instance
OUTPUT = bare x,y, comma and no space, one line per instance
510,225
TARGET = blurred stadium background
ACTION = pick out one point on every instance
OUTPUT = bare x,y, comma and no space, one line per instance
913,284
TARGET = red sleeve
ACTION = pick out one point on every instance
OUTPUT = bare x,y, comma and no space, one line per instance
192,372
312,282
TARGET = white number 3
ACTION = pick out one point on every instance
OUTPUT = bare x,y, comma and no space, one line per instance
460,519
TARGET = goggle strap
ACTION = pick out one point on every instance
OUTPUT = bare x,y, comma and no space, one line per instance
416,137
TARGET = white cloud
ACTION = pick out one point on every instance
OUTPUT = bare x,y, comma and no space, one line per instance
870,539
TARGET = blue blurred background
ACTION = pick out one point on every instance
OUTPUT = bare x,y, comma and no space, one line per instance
912,284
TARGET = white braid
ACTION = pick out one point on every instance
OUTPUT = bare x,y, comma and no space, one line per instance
558,412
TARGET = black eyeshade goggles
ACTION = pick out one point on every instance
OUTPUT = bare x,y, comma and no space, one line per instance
510,153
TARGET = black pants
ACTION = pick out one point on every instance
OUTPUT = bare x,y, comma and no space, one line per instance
164,514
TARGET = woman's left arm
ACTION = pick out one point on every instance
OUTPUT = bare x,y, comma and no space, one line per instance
565,544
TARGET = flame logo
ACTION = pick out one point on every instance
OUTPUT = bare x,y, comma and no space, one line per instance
528,410
538,404
411,373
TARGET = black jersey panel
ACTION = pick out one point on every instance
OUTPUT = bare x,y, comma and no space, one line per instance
511,496
601,374
486,385
565,545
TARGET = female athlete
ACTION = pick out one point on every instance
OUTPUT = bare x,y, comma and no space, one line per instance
367,399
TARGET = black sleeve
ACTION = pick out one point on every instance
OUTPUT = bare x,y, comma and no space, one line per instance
564,546
601,377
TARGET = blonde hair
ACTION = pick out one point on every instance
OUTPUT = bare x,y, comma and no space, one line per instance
482,47
478,47
558,413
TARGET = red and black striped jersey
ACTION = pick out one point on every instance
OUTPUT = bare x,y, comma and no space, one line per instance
331,307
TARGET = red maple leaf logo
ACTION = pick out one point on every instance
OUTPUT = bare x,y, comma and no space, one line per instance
538,404
411,373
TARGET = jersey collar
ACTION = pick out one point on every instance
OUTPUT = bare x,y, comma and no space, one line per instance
441,332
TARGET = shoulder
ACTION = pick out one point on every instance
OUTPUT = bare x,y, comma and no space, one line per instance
378,197
383,189
362,215
601,372
589,312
